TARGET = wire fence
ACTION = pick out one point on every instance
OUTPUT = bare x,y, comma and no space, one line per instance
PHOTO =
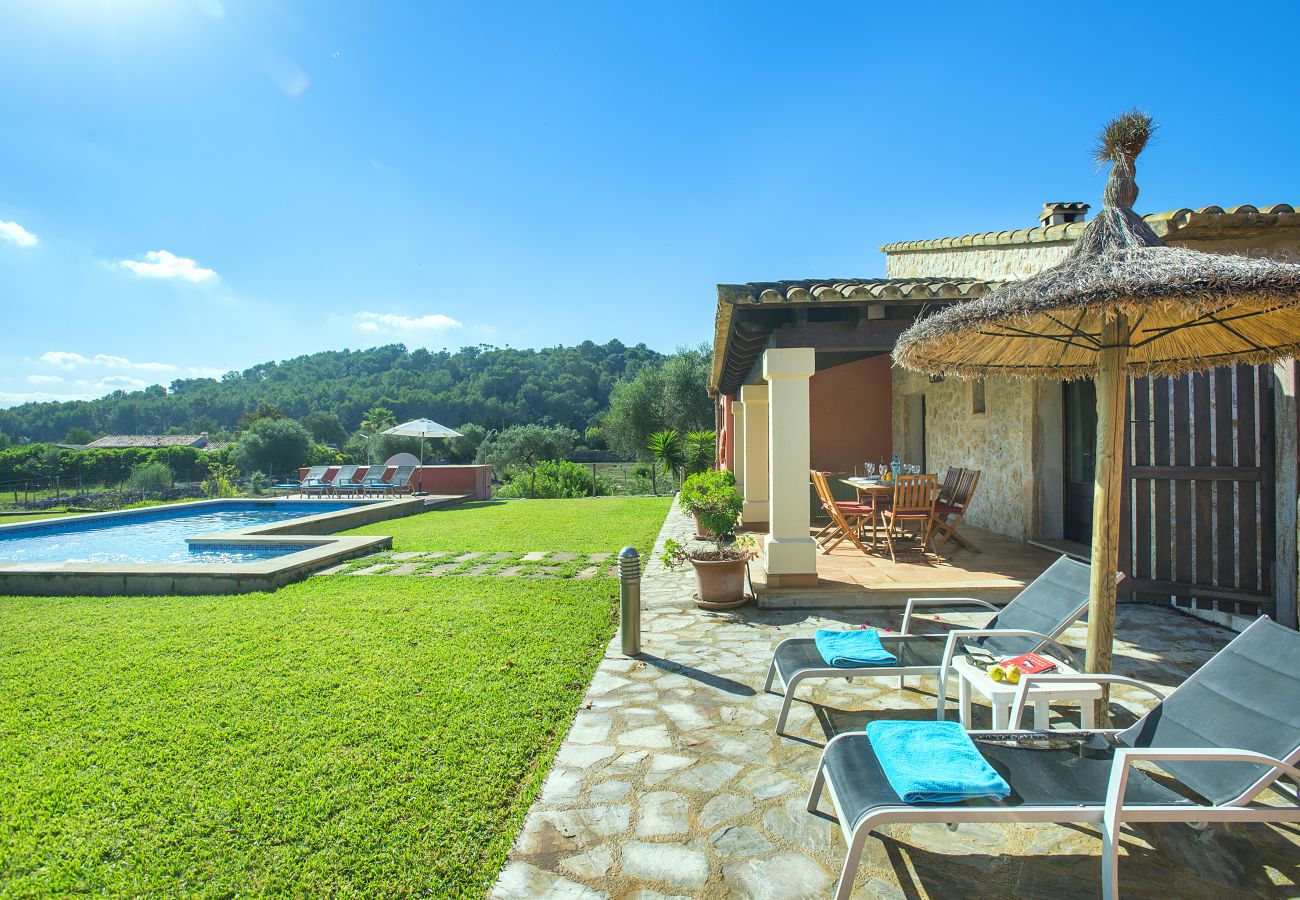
55,492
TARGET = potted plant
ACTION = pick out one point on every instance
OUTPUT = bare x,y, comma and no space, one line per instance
703,492
719,571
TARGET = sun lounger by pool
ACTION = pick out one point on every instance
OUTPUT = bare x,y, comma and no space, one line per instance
343,476
313,477
400,481
1227,734
374,475
1041,612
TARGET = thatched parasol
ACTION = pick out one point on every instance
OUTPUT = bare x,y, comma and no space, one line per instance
1121,303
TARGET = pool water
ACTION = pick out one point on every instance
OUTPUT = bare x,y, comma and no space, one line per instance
155,535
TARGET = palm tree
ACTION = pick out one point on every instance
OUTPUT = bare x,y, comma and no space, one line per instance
666,448
701,448
375,421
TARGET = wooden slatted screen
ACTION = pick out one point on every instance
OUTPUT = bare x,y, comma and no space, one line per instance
1199,509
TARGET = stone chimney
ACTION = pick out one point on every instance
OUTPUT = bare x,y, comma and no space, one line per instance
1062,213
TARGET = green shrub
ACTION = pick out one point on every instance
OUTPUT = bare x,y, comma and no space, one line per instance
220,481
150,477
555,480
713,499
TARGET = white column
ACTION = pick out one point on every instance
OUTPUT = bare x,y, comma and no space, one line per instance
738,444
790,553
753,398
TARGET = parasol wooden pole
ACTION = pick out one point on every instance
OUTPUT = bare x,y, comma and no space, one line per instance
1112,390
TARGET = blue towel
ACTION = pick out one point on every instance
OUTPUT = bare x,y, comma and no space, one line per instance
934,762
853,649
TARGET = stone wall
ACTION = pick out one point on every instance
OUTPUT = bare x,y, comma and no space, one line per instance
1006,443
983,263
1014,260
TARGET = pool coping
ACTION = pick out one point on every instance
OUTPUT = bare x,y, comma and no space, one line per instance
314,534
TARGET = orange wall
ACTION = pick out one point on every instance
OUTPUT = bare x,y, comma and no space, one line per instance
851,413
476,480
727,438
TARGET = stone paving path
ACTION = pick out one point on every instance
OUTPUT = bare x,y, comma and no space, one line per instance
504,564
672,782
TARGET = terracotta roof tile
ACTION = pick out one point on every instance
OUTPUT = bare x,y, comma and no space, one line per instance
1165,224
115,441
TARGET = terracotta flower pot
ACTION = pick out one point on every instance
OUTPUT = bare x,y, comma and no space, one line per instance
701,533
720,584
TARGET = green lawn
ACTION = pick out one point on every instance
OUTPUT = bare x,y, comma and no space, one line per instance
364,736
28,517
597,524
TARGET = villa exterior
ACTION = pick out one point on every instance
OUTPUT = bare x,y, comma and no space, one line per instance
803,379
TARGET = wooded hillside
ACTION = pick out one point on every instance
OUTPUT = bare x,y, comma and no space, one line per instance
491,387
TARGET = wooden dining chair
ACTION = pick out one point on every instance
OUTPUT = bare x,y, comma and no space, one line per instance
948,515
846,518
914,499
951,480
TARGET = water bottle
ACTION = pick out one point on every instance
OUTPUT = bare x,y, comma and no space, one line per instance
895,466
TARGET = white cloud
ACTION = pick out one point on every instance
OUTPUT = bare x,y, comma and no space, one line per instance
120,383
109,361
396,324
44,379
66,359
13,398
63,359
165,264
12,231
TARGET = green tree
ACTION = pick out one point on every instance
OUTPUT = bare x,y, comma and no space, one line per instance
5,441
377,419
78,435
325,427
526,445
667,450
701,451
465,449
672,395
272,446
263,411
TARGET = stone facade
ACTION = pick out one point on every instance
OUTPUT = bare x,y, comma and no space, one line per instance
1010,443
980,263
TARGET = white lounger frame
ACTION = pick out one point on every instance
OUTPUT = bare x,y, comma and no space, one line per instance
1109,817
902,672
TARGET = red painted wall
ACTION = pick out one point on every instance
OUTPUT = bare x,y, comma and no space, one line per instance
727,438
851,414
476,480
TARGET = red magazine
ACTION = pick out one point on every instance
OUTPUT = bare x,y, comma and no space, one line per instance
1030,663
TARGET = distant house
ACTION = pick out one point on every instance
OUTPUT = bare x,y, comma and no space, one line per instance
154,441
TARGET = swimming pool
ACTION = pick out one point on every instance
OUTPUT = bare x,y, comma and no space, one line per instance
158,535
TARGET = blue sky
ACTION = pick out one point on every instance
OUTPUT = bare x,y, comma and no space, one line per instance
192,187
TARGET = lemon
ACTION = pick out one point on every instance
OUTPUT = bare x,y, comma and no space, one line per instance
1013,675
997,673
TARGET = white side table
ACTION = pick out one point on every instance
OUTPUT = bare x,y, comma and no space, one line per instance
1001,695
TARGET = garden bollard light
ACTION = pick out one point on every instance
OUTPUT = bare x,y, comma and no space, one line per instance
629,601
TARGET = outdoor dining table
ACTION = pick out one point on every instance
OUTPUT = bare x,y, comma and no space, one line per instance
870,487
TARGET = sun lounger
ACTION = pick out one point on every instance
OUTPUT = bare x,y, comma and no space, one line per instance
313,477
343,476
1040,613
1226,735
400,481
374,475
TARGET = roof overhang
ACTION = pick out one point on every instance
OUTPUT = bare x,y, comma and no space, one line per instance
840,317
